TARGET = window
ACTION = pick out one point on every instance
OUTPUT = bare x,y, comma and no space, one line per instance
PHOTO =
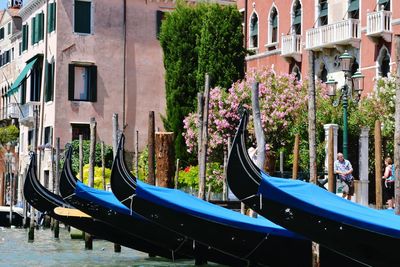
384,5
82,16
159,19
296,27
254,31
37,30
50,82
35,76
30,139
9,28
51,17
83,129
323,12
82,83
48,135
296,72
1,33
353,10
25,31
273,26
384,62
324,74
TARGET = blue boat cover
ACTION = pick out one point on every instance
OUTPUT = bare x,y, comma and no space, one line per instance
314,200
102,197
182,202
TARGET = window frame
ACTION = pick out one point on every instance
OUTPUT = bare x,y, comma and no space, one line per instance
271,34
92,86
91,17
251,41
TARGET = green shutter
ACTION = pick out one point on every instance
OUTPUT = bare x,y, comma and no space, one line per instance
41,26
26,36
71,81
50,82
51,17
33,38
23,37
93,84
159,18
275,20
82,18
354,6
323,11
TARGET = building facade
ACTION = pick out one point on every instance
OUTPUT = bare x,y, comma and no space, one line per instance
281,32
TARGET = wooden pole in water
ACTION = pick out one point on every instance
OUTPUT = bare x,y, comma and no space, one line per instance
103,165
115,139
204,141
151,179
296,152
92,157
56,184
176,174
378,165
165,159
81,157
137,154
331,176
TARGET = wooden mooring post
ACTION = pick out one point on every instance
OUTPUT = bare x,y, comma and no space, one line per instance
331,176
151,179
378,165
296,153
115,139
56,183
81,157
92,157
165,159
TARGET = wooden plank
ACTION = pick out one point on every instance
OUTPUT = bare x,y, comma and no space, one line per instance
70,212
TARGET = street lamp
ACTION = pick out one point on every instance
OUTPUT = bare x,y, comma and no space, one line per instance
346,92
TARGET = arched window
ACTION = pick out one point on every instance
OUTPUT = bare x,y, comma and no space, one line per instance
296,72
273,26
353,9
296,25
254,31
384,62
323,12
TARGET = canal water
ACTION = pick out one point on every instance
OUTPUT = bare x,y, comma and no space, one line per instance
15,250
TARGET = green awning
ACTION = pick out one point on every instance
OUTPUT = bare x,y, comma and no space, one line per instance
15,86
354,5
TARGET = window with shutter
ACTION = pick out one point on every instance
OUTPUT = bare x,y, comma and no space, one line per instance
40,18
50,82
33,27
51,17
297,18
384,5
273,27
254,31
159,19
353,9
323,12
82,16
82,83
1,33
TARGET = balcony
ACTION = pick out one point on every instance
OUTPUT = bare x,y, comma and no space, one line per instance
345,32
27,117
9,112
379,25
291,46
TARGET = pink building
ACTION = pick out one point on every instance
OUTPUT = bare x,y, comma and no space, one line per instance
281,32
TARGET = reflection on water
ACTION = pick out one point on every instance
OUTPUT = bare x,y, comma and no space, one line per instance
45,251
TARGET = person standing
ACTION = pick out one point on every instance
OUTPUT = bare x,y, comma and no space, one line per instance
343,168
388,179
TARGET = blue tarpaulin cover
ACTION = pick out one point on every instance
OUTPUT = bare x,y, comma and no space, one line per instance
104,198
182,202
315,200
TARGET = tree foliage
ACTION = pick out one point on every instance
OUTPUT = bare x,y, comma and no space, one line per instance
197,39
8,134
108,155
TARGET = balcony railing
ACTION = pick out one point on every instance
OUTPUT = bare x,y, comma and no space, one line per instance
11,111
379,24
346,32
28,110
291,46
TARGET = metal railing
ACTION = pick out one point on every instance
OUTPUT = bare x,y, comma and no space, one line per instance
28,112
291,44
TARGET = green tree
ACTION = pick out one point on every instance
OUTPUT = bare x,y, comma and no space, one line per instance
8,134
108,155
197,39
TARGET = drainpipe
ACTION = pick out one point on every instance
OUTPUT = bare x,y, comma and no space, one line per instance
124,67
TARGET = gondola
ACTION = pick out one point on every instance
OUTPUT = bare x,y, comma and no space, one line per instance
258,241
360,233
45,201
104,206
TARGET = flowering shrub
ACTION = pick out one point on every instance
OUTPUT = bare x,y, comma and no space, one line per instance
189,177
282,99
